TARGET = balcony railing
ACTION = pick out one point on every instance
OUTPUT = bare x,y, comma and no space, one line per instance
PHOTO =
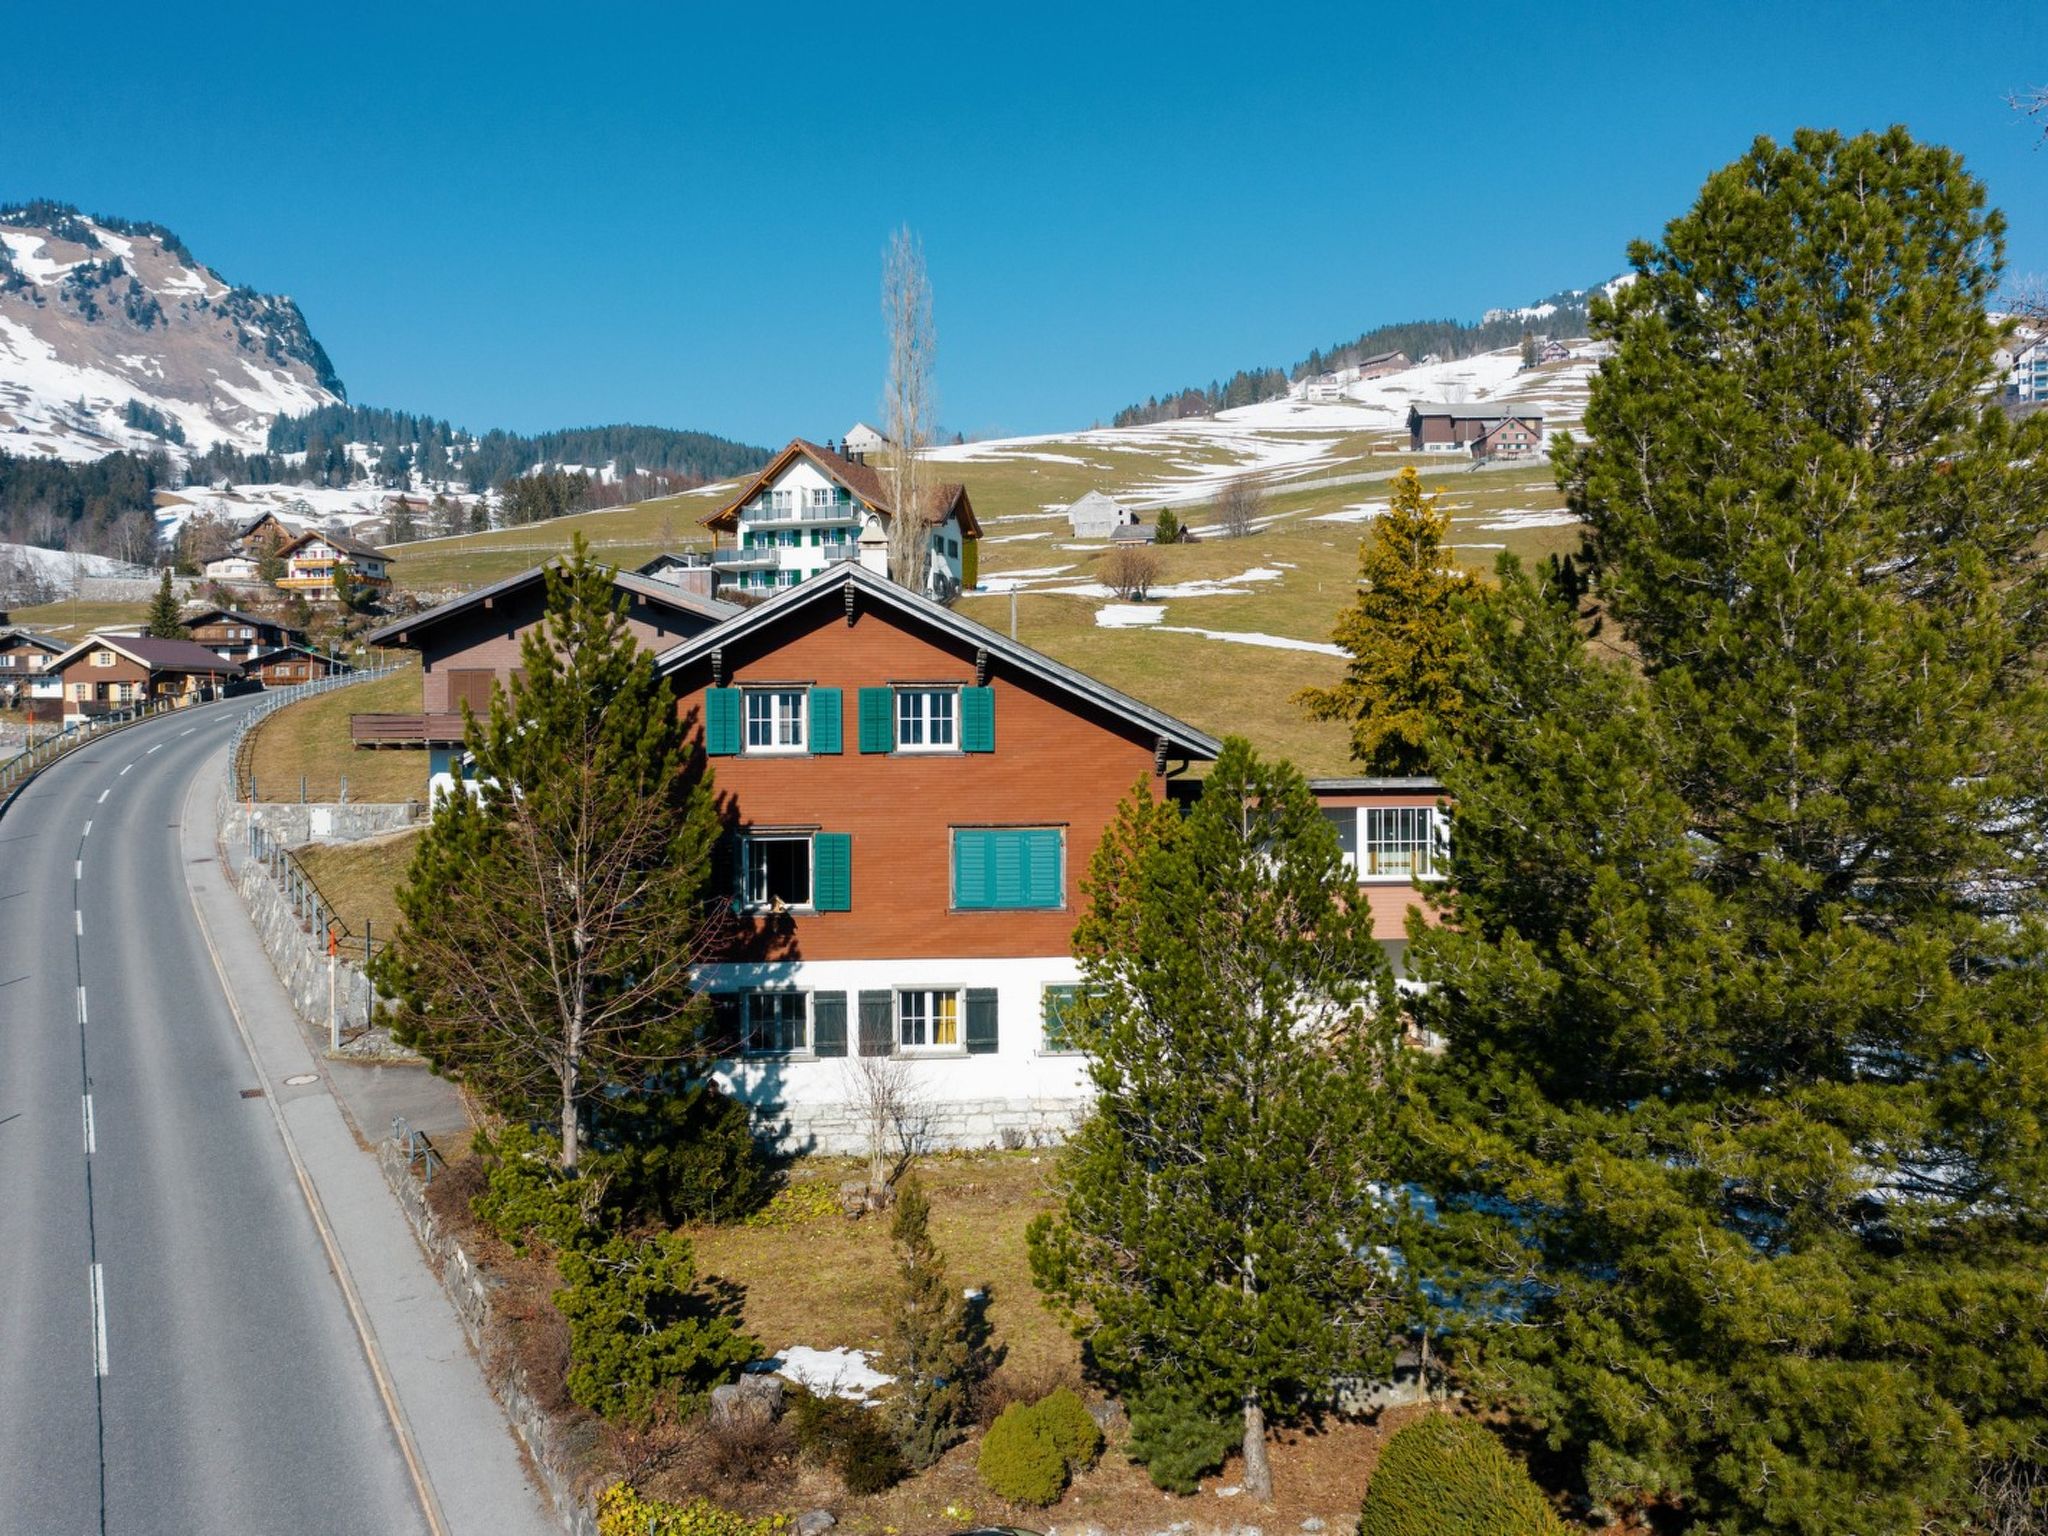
745,559
836,513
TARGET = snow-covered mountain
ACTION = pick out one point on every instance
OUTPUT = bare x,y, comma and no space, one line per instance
114,336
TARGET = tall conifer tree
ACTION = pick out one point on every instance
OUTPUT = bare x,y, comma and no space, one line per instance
163,611
1398,688
1744,1114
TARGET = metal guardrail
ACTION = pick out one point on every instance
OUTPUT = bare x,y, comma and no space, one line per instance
310,905
240,784
418,1150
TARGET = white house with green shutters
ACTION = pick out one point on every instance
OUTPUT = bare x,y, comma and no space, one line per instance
912,802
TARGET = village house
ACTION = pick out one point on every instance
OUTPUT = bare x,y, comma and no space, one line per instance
238,636
814,507
1131,533
689,570
27,680
285,665
1096,516
233,567
862,440
1393,832
312,559
1554,351
470,645
1485,431
1380,364
106,673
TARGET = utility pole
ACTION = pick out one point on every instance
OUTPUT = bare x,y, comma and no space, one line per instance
333,1018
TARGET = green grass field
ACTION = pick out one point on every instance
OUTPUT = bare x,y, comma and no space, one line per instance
309,741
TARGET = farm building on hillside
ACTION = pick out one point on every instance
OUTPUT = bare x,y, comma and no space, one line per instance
1380,364
1486,431
1096,516
862,440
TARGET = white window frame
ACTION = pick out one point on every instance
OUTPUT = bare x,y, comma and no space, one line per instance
925,720
748,901
103,658
930,996
781,713
1425,857
753,997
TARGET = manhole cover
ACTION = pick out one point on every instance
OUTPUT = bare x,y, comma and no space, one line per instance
300,1079
252,1093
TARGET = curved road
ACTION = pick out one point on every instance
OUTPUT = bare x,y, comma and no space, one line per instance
175,1355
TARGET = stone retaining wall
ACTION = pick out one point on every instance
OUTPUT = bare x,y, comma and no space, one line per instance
131,589
551,1449
300,960
293,824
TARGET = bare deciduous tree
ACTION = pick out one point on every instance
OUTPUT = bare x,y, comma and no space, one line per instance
1239,506
1129,570
891,1110
907,309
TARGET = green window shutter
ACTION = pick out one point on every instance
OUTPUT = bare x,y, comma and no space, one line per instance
878,719
981,1021
828,1023
977,719
1043,886
832,871
973,888
825,733
1009,869
721,721
877,1023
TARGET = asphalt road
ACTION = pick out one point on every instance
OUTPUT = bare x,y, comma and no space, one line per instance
174,1351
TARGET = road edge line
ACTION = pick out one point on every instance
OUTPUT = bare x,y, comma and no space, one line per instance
366,1333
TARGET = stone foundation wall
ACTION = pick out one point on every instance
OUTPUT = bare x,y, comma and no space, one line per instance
840,1130
552,1451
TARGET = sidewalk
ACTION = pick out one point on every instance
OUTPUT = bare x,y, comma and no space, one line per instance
465,1450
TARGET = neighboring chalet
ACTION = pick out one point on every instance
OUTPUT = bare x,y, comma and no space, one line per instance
1380,364
862,440
27,680
470,645
1484,431
264,531
106,673
689,570
234,566
284,665
914,800
1554,351
1131,533
311,559
1096,516
239,636
815,507
1393,832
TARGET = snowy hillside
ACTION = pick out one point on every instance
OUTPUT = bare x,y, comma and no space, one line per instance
113,336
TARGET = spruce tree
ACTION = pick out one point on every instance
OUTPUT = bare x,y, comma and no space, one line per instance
163,611
1742,1115
1215,1248
1402,635
935,1350
553,917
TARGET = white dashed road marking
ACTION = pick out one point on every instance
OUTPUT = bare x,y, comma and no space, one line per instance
99,1320
91,1140
104,793
124,770
157,748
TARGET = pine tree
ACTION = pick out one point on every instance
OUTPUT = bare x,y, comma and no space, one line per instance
935,1349
1743,1109
163,611
549,933
1215,1245
1402,632
1166,530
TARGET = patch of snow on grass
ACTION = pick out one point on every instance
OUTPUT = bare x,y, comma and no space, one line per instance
1253,637
1357,512
1129,615
1509,521
841,1372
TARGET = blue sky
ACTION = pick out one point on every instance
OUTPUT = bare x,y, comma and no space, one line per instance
533,216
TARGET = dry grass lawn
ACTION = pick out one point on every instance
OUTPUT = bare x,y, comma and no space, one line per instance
359,880
311,739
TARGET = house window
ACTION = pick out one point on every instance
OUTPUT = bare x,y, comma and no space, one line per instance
775,720
776,872
103,658
777,1023
1398,842
925,719
928,1020
1058,1006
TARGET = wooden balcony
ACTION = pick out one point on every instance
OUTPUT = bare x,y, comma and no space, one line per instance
415,730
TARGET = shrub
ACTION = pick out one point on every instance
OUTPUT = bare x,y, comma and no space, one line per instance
1071,1428
848,1438
639,1326
527,1195
1018,1459
681,1154
1177,1436
622,1512
1450,1477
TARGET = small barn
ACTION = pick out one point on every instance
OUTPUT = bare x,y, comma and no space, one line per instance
1096,516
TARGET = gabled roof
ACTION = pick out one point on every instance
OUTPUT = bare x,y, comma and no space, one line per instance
233,616
830,586
158,655
347,543
1380,357
294,648
1095,499
10,635
647,588
942,500
1496,411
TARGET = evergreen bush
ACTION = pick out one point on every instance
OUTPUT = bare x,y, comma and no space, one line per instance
623,1512
846,1437
1450,1477
527,1194
681,1154
1019,1460
639,1326
1072,1429
1177,1437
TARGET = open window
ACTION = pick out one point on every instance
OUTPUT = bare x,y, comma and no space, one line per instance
775,872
